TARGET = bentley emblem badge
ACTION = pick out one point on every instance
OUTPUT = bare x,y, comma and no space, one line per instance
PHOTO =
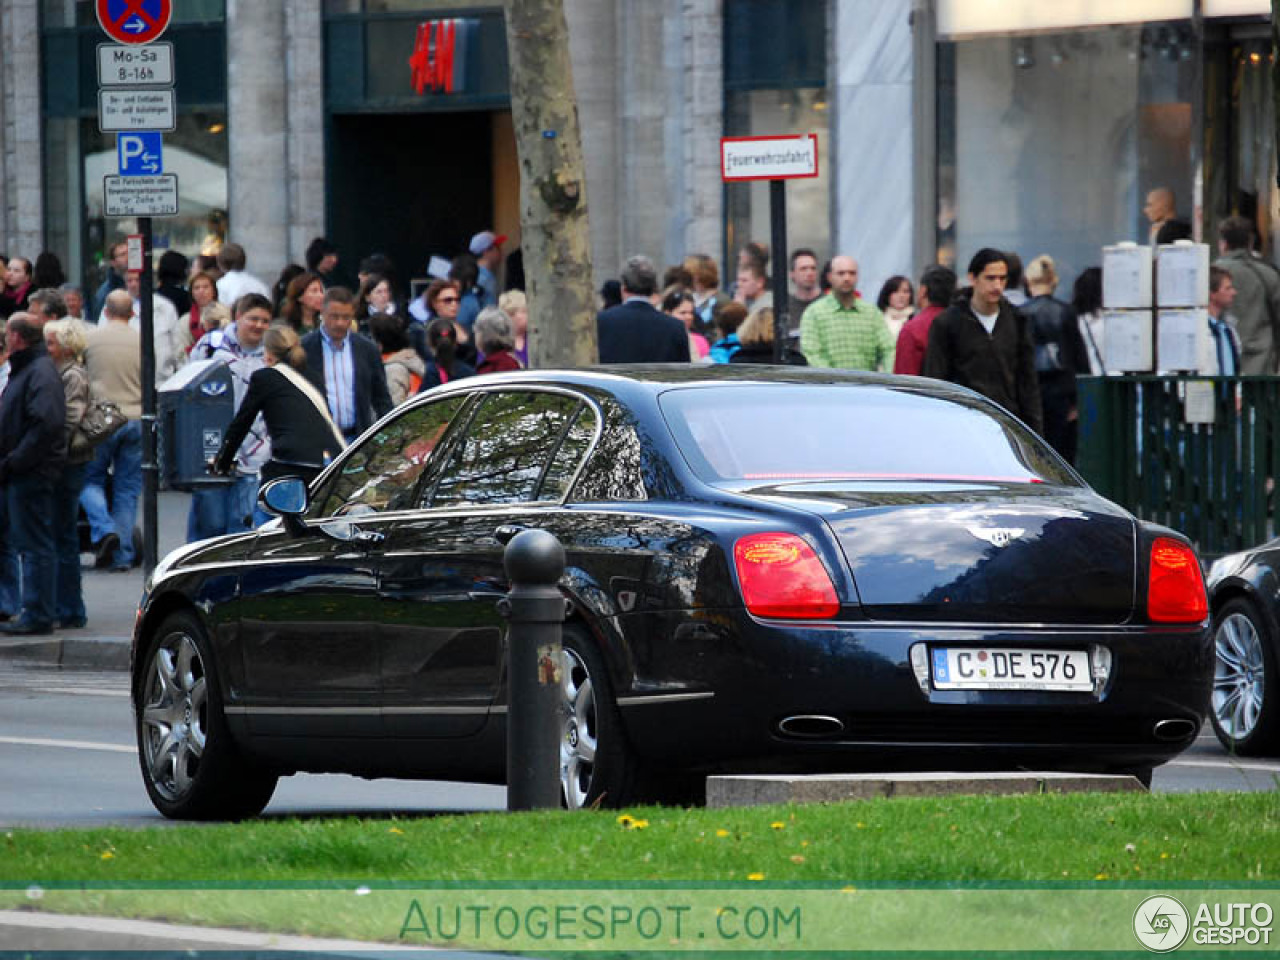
997,536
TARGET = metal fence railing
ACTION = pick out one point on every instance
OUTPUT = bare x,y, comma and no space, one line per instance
1215,481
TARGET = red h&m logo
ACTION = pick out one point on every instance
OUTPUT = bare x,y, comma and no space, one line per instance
433,60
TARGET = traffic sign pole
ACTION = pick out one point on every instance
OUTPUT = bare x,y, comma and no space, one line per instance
776,159
778,240
150,464
140,112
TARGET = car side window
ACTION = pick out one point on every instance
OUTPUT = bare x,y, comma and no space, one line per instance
383,473
506,451
569,455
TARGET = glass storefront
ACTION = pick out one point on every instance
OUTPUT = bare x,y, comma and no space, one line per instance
1050,142
78,155
1240,138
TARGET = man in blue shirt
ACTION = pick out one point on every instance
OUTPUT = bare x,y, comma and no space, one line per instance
1224,356
486,247
349,365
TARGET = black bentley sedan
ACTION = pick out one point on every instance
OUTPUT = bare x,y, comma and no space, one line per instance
768,569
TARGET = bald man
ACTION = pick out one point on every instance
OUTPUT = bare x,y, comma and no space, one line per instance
1161,208
113,358
843,330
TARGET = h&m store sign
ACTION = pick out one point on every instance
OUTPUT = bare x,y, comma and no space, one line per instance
439,60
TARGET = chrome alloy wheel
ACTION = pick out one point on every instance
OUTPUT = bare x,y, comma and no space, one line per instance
174,718
579,734
1238,676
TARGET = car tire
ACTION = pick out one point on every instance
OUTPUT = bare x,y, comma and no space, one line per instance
190,764
598,766
1244,705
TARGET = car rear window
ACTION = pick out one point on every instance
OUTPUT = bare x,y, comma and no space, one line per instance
780,433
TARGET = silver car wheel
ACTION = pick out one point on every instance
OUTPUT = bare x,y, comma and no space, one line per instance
174,715
1238,676
579,740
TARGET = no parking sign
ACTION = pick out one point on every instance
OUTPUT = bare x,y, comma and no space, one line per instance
134,21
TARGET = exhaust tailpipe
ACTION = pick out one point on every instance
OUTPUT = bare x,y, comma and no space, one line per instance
810,726
1169,730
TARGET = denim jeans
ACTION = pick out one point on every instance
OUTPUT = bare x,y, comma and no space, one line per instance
121,454
69,604
227,508
30,501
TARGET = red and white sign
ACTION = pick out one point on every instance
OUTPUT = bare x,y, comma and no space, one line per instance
437,61
768,158
134,21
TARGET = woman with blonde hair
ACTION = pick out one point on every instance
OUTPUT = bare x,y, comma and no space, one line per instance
514,304
1060,355
65,342
756,337
303,436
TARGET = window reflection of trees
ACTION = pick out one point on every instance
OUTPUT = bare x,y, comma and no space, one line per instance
626,464
383,473
507,448
577,439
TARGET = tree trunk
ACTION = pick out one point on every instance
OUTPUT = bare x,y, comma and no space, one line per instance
554,233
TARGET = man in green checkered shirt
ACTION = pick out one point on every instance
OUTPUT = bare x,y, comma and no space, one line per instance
841,330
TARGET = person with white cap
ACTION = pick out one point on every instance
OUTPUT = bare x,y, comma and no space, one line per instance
486,247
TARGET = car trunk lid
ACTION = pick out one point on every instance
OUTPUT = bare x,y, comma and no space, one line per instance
991,553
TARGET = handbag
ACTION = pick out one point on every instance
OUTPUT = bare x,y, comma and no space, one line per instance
101,419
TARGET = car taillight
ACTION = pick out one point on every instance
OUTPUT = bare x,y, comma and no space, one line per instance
1175,589
781,576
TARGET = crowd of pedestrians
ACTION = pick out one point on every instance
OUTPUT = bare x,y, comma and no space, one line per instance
315,361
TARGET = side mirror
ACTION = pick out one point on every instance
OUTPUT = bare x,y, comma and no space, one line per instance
286,497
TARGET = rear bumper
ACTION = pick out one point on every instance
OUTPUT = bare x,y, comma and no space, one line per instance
860,676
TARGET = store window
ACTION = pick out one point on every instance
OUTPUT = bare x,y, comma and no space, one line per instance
775,68
1050,142
1240,139
78,155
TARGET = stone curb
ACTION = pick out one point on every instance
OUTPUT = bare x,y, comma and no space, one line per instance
754,790
69,650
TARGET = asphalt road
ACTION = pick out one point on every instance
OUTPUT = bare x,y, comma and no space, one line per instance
68,756
69,760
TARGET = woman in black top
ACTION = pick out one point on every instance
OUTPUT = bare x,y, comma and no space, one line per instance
756,337
303,435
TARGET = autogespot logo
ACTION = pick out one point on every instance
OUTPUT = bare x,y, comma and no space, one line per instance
1161,923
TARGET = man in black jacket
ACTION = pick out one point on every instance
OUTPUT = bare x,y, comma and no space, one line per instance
349,366
33,449
982,343
635,331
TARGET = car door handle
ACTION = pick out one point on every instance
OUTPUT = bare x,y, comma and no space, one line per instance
507,532
368,537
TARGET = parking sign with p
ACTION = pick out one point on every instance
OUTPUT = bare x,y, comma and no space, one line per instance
140,154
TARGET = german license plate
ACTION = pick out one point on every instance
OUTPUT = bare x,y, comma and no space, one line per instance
1004,668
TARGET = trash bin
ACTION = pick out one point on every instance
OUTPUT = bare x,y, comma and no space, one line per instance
194,409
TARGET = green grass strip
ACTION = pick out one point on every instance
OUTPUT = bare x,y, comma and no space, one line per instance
1038,861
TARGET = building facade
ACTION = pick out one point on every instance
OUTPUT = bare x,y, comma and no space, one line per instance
944,125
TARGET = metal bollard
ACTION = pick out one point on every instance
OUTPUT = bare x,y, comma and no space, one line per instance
534,609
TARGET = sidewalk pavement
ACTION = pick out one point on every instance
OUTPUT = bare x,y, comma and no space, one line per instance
111,601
